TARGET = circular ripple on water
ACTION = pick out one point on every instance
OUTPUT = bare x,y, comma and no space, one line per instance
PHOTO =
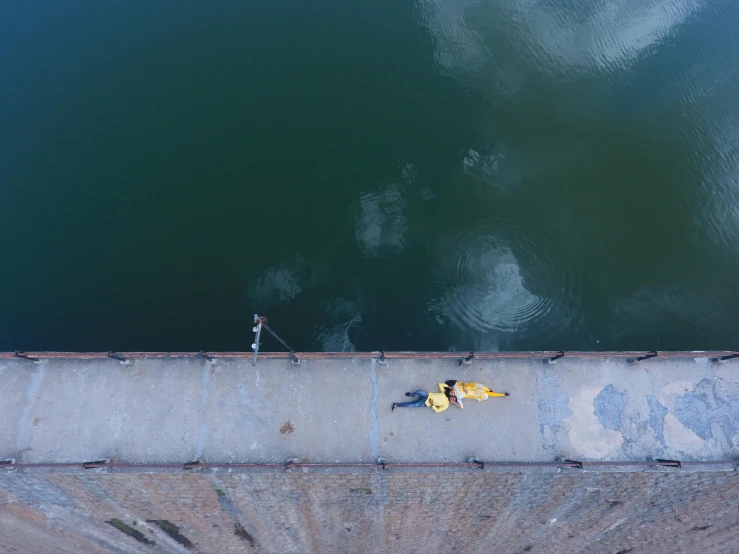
503,277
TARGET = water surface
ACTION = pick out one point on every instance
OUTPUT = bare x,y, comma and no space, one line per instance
429,175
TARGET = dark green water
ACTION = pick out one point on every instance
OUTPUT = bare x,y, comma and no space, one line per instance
388,175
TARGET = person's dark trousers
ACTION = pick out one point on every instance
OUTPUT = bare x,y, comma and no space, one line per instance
420,403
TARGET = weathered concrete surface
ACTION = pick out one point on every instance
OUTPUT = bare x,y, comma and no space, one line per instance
385,512
339,411
178,410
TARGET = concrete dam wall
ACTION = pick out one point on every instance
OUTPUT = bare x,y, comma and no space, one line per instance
388,512
211,454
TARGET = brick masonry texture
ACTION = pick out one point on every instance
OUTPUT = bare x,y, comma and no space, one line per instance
386,512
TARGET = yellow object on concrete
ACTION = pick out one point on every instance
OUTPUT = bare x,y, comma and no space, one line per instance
476,391
438,401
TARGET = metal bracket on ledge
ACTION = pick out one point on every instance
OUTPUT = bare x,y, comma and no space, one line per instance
722,359
473,460
291,463
24,356
382,462
652,354
571,464
95,464
668,463
467,360
191,465
553,359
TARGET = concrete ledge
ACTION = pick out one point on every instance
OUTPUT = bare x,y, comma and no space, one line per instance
358,469
331,408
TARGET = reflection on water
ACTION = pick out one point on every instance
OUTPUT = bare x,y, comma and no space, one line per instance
718,213
487,284
491,293
334,336
665,311
380,221
374,174
282,283
599,35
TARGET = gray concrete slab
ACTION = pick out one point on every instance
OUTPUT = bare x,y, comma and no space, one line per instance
339,410
18,389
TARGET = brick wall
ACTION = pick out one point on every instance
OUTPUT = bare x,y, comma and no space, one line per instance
388,512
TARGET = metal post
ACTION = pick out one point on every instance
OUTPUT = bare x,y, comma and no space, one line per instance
275,335
467,360
291,353
258,332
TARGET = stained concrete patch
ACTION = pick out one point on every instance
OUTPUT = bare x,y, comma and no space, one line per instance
173,531
287,427
609,407
49,496
240,532
587,436
712,401
130,531
552,411
695,414
727,372
657,413
225,502
681,438
32,396
549,379
678,387
374,428
672,390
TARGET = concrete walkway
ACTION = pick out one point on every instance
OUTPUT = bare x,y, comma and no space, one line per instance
178,410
